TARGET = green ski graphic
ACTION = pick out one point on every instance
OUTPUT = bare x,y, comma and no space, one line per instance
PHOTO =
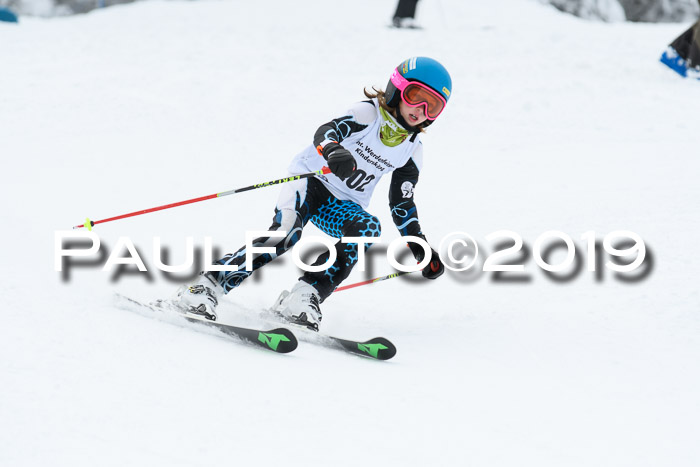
371,349
272,340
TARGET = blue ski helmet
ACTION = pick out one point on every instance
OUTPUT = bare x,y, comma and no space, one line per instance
424,70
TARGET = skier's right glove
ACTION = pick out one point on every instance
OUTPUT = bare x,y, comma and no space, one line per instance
435,268
340,161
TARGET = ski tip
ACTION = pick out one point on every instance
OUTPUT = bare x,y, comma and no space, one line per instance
378,348
280,340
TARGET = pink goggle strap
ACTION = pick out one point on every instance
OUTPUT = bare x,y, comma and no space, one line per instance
399,81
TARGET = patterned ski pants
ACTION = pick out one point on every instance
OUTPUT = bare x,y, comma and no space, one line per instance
299,202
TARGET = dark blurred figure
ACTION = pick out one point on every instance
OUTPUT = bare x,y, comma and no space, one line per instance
405,16
683,55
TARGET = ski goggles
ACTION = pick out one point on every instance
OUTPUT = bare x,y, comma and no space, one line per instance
414,94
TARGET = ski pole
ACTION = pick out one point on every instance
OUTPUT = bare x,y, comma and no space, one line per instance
90,224
372,281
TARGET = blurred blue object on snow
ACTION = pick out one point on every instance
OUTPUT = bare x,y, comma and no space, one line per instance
7,15
671,59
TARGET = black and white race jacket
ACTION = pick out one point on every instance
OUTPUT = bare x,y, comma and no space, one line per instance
359,132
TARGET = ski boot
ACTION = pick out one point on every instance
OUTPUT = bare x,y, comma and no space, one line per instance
301,306
201,297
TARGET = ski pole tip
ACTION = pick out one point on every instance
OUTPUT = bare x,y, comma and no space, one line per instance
88,224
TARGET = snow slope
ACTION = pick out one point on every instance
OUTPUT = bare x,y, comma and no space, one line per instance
555,124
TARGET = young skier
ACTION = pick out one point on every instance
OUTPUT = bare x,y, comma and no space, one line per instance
374,138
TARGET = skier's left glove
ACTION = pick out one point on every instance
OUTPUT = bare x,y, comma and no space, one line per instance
340,160
435,268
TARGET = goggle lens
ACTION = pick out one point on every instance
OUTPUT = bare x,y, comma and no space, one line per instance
416,94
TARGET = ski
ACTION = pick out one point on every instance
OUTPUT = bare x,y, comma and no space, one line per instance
378,348
278,340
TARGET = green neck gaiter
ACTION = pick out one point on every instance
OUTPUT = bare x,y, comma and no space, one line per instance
391,133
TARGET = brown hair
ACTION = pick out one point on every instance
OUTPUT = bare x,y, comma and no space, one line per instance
381,98
393,111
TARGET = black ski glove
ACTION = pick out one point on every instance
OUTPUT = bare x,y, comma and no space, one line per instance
340,161
435,268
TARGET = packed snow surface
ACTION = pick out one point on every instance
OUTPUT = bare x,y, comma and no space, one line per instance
555,123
